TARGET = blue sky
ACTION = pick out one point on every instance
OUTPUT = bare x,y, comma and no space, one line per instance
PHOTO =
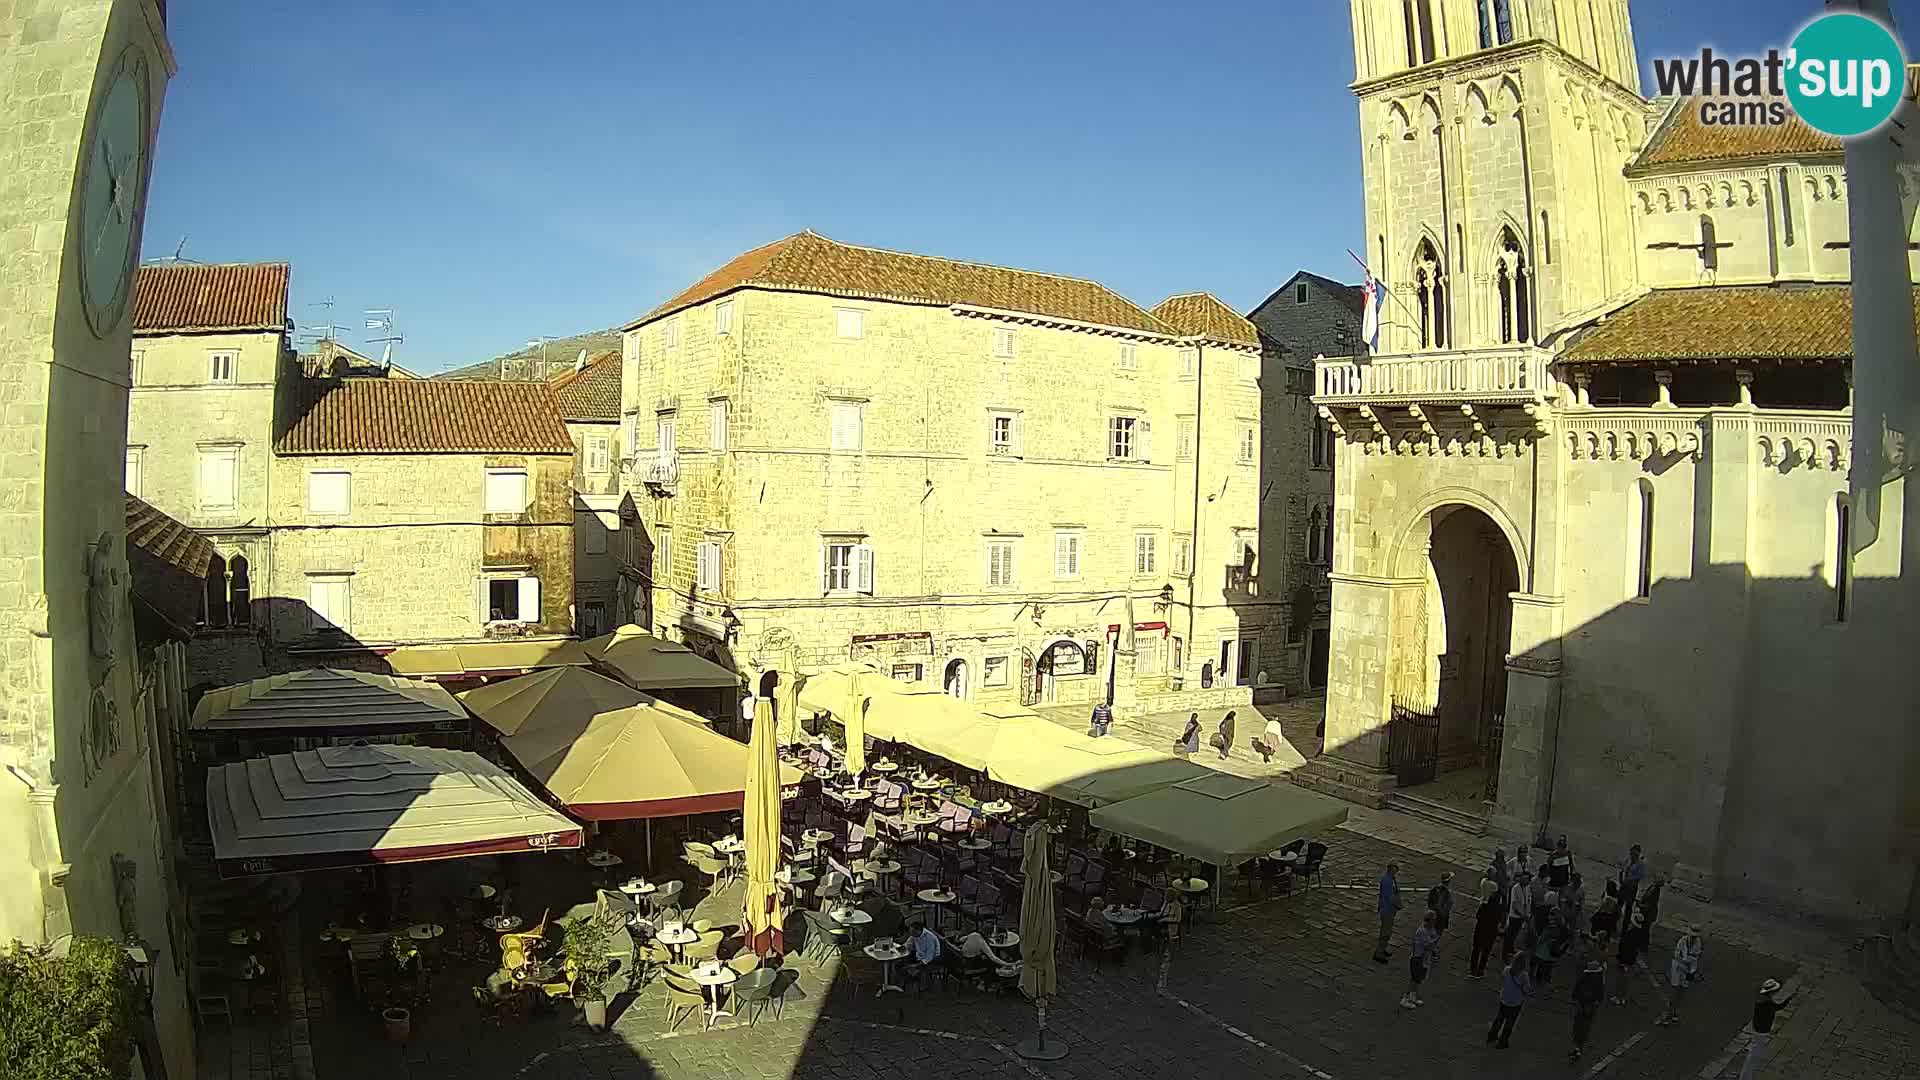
496,171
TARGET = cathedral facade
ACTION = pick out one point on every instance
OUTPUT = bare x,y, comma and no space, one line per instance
1597,559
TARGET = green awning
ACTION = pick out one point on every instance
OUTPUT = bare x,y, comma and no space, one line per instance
1222,820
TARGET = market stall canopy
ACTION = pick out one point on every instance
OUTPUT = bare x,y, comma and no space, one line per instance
547,696
322,701
361,805
1044,757
643,761
1222,820
479,658
645,662
934,722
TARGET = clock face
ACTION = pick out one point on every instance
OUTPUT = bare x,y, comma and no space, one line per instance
113,180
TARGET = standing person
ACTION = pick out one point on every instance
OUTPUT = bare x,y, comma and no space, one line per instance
1588,991
1537,902
1499,874
1189,740
1519,910
1486,927
1760,1032
1631,877
1426,937
1560,865
1520,861
1632,957
1606,918
1223,738
1440,902
1389,907
1513,992
1650,903
1549,945
1102,719
1680,973
1573,901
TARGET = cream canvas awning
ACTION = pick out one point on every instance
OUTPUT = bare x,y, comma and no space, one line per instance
1222,820
1051,760
645,662
485,657
322,701
360,805
555,693
643,761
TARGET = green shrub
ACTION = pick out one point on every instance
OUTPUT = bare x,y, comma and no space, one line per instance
66,1018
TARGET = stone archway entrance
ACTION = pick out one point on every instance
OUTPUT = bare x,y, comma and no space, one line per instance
955,680
1451,692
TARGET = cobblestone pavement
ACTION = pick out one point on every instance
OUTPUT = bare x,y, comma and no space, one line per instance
1272,987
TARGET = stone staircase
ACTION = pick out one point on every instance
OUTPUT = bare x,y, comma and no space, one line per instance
1437,812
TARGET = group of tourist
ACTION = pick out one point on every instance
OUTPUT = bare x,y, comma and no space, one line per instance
1536,919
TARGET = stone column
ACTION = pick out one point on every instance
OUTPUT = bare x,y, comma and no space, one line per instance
1378,628
1531,736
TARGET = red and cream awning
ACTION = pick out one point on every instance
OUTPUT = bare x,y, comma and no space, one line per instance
363,805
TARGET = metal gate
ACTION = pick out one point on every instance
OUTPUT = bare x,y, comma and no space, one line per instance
1413,745
1490,754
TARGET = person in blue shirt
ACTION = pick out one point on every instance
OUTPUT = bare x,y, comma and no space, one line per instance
926,951
1513,993
1389,907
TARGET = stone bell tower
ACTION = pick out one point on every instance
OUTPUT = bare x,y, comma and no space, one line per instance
83,82
1494,133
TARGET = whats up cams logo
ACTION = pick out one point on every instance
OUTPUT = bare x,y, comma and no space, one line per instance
1843,75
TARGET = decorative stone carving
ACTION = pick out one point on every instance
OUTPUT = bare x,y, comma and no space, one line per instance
103,592
100,739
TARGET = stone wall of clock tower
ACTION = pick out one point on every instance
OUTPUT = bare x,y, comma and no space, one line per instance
80,847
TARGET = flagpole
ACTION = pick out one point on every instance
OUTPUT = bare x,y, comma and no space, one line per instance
1396,299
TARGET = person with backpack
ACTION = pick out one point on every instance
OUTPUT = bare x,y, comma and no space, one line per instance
1589,989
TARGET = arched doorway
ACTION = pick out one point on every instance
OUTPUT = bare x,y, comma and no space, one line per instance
1451,688
955,681
1062,658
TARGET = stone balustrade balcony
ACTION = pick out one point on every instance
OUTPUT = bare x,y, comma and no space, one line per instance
1510,375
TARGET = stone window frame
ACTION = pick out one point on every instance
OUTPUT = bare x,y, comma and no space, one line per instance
316,622
1075,537
135,476
845,318
723,318
524,576
1186,436
232,451
223,366
1010,543
855,578
487,504
1146,553
1012,447
346,493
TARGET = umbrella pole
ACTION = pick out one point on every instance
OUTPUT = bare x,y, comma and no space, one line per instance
1038,1048
649,844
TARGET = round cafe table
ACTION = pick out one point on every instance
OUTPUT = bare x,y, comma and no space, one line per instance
732,845
975,845
677,938
1286,857
938,899
886,952
816,836
1125,916
885,767
482,891
1190,886
639,887
920,819
998,806
603,859
794,876
501,924
1005,939
854,794
425,931
929,783
713,979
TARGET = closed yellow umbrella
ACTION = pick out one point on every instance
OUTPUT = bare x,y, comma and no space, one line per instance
760,827
1036,942
786,711
855,719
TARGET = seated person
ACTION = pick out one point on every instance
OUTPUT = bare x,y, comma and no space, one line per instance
927,947
1097,922
975,947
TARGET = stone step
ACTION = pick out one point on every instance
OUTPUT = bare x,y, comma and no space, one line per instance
1890,970
1437,812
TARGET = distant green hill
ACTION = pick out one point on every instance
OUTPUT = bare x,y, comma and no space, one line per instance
537,363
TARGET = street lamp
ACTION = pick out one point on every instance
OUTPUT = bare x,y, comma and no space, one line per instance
140,961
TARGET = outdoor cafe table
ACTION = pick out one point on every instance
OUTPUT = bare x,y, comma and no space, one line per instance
677,938
816,836
938,899
850,917
713,978
731,845
885,767
921,819
975,844
1005,939
501,924
929,783
851,794
425,931
639,887
998,806
886,952
793,876
482,891
603,859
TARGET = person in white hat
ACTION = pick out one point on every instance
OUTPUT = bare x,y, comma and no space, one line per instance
1760,1031
1681,972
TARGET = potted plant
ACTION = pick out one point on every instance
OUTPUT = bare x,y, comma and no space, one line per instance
586,942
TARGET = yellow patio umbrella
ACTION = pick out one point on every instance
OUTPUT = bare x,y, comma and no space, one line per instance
1036,942
786,708
855,720
760,827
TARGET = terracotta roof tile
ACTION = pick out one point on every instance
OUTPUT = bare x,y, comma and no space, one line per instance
1684,140
593,392
169,541
426,416
1726,322
809,262
184,297
1204,315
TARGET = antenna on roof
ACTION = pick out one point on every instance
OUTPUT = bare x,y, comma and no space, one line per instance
174,259
322,333
381,322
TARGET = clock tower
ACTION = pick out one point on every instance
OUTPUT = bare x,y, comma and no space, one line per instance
80,847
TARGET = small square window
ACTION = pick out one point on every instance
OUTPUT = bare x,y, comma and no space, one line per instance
596,455
134,363
1189,359
670,333
506,491
999,563
1066,555
330,602
846,566
1129,358
995,674
219,477
1003,433
221,366
329,492
847,431
1003,343
1146,554
850,323
723,318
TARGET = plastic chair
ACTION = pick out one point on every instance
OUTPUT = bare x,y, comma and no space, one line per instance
1310,866
753,992
708,947
743,962
684,997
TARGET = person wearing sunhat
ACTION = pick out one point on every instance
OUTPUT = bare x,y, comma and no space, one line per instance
1680,973
1440,902
1760,1032
1632,955
1589,989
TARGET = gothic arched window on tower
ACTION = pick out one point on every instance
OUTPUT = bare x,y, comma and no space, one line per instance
1503,20
1429,286
214,606
1485,21
1510,281
239,592
1419,23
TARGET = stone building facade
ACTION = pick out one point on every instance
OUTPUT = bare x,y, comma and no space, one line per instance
81,844
589,397
1309,317
1594,526
972,477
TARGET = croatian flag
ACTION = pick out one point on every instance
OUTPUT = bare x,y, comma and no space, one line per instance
1370,313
